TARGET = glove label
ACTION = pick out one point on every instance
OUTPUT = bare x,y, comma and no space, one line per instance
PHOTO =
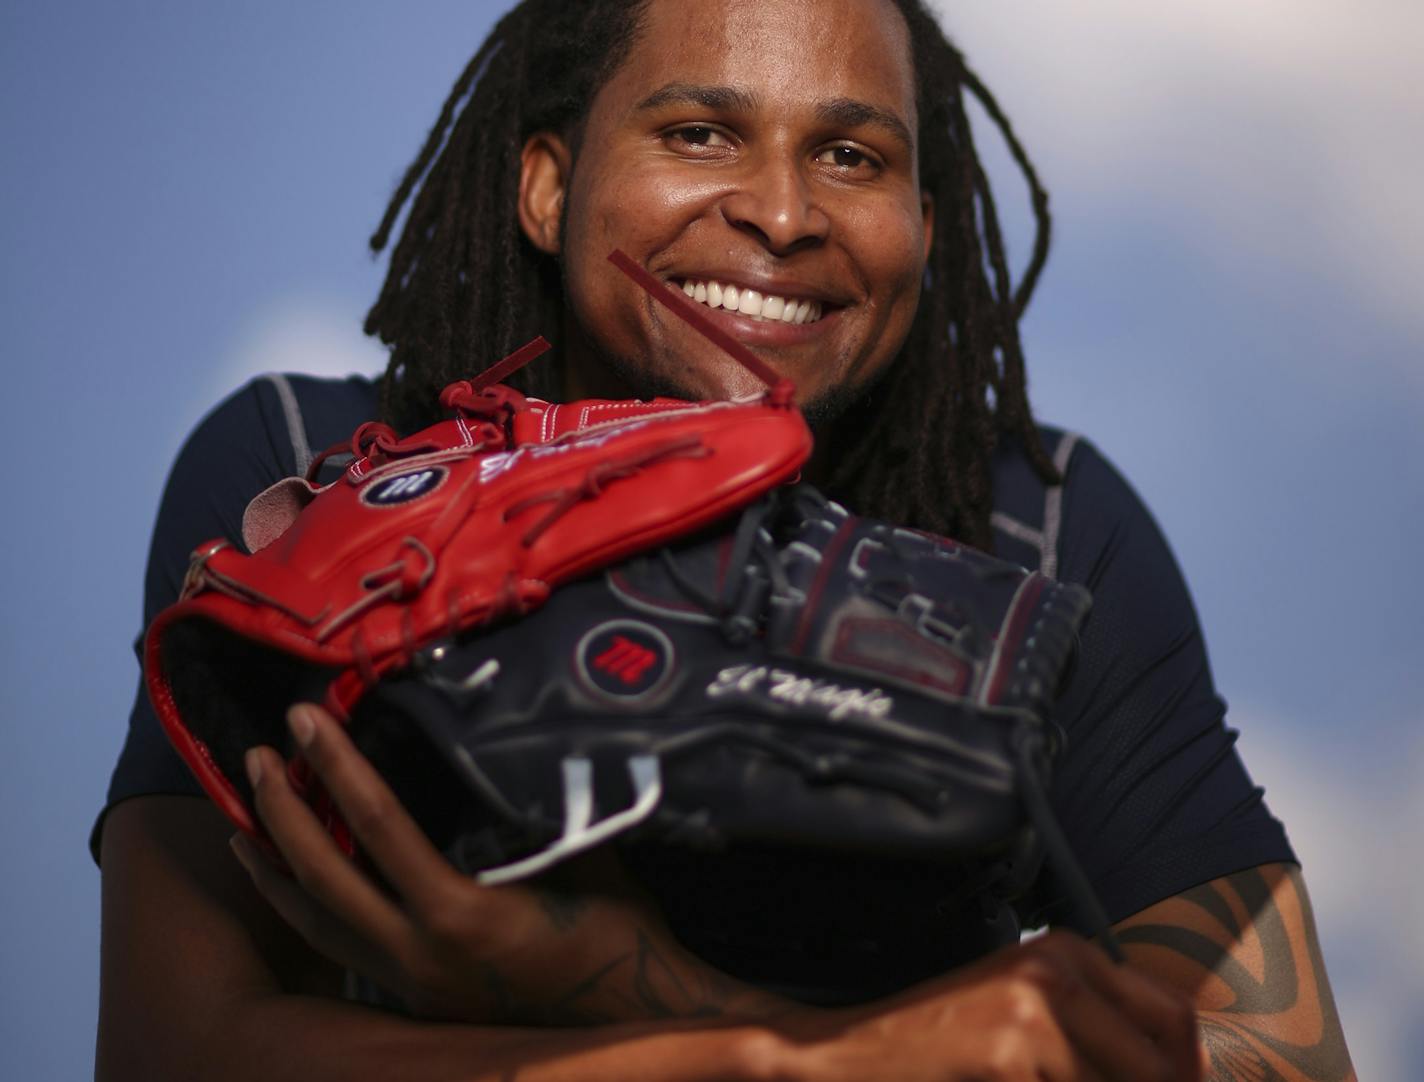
795,689
403,487
624,660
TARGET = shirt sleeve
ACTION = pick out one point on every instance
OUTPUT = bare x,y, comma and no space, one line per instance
1151,792
236,451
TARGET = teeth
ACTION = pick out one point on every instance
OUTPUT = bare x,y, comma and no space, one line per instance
750,303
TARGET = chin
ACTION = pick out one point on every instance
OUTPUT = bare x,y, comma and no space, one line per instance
636,379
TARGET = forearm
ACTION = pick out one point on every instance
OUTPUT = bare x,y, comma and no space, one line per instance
310,1039
200,980
1245,948
1240,1049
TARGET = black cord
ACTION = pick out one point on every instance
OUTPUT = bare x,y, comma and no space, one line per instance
1029,745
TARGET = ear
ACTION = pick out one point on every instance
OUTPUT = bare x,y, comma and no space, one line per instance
544,168
927,212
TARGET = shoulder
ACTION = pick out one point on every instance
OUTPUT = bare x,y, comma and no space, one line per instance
269,427
1027,516
280,417
1065,529
265,430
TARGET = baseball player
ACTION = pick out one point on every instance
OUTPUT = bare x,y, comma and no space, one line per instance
804,170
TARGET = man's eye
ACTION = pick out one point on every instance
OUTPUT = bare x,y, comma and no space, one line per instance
698,136
847,158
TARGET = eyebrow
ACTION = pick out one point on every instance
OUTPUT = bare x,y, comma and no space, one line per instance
727,98
849,113
840,112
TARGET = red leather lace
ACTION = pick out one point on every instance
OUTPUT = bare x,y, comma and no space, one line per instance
565,499
373,440
484,400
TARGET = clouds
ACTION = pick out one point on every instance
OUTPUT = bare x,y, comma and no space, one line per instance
1355,831
1233,311
1287,128
321,338
317,336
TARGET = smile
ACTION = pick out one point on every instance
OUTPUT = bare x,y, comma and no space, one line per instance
750,303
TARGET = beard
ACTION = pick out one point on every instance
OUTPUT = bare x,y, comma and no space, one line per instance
636,380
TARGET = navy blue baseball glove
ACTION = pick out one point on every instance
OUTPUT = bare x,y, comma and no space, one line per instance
802,677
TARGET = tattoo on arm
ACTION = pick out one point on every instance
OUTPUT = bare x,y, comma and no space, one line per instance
1247,949
562,908
642,982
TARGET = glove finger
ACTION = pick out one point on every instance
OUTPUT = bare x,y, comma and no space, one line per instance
321,869
388,835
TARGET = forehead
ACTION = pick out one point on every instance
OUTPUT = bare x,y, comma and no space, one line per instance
782,52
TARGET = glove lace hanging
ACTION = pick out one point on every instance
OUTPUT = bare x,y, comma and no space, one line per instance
739,604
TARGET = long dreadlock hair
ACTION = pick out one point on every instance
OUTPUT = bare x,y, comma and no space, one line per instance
465,287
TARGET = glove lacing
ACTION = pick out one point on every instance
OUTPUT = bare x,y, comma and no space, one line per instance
738,607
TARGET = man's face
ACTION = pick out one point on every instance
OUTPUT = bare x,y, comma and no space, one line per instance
761,153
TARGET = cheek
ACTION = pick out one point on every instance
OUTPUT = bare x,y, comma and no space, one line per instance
642,208
891,246
642,212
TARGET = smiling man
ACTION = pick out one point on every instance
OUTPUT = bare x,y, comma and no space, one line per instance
793,210
805,169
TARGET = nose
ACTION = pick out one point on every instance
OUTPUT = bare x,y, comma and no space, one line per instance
776,204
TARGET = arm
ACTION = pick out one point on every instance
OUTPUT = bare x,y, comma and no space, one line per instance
1156,800
579,945
1056,1006
201,980
1244,948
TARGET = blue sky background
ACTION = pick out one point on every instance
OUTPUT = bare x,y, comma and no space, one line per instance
1232,312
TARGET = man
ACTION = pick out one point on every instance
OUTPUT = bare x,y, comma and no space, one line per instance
810,158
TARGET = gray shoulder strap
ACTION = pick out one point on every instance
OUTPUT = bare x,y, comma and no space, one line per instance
292,413
1053,507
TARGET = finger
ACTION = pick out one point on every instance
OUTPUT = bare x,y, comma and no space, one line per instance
1106,1039
1164,1015
313,922
323,871
1161,1014
387,833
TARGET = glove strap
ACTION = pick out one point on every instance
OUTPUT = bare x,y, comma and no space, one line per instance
578,834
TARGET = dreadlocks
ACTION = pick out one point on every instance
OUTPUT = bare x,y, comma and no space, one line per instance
465,286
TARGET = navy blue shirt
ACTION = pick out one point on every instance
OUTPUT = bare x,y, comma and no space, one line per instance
1150,792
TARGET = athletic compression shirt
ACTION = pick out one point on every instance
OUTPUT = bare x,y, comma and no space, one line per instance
1150,792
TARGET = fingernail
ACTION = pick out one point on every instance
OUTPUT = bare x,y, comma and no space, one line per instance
253,762
242,849
299,720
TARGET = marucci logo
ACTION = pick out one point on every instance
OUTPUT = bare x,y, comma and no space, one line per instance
624,659
390,491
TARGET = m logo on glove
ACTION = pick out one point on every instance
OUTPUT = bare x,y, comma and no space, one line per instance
404,488
624,659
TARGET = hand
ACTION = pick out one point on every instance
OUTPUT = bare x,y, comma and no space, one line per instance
1051,1010
590,949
